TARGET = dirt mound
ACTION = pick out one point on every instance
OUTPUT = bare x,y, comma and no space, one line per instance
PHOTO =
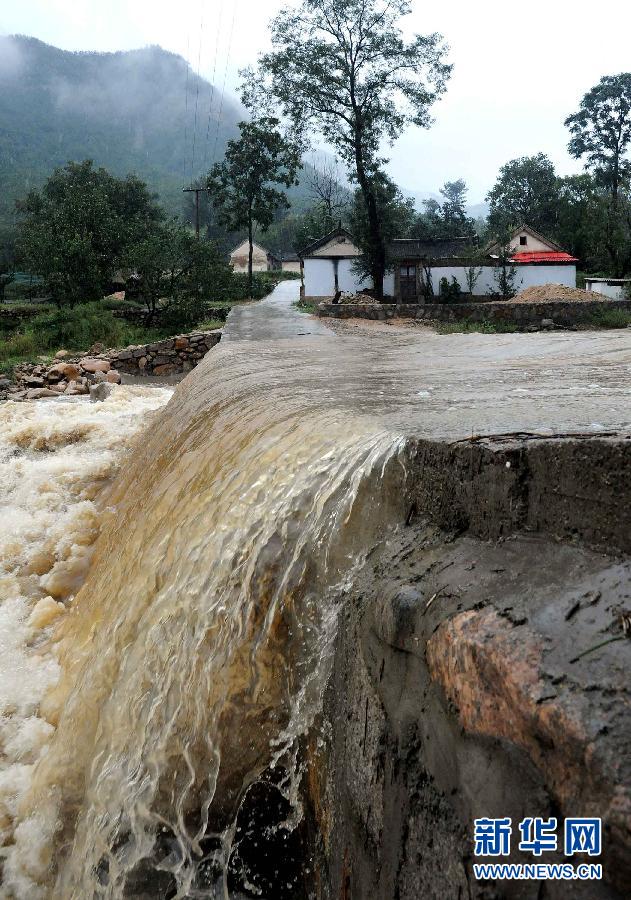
546,293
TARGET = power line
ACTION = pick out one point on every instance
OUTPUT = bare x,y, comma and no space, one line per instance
188,46
212,86
199,64
225,76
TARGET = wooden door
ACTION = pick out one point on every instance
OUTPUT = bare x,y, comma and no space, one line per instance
407,283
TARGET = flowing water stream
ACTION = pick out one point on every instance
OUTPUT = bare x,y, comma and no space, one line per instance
192,659
166,638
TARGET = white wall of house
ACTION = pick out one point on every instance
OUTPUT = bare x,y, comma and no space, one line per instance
526,276
612,291
531,276
319,278
484,285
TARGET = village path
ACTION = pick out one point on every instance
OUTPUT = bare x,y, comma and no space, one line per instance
442,386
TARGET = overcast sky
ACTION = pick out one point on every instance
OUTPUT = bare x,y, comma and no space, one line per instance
519,68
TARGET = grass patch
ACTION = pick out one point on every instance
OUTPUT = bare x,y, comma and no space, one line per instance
209,325
304,307
466,327
74,329
608,318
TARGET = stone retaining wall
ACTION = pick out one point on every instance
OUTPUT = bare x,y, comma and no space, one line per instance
167,357
562,313
12,315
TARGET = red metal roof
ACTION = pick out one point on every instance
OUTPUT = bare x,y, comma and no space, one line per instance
536,256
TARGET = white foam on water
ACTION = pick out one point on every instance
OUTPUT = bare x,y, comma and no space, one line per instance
56,457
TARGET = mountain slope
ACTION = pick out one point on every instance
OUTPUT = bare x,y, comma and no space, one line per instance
129,111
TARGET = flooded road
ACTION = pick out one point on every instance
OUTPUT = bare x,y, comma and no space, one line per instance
442,386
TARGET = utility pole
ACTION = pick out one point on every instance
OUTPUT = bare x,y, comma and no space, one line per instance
197,191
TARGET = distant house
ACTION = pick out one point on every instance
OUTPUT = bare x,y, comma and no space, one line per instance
290,262
262,259
328,265
613,288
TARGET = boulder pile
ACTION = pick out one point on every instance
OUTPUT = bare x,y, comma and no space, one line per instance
72,377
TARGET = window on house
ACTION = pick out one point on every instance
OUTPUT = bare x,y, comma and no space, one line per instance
523,240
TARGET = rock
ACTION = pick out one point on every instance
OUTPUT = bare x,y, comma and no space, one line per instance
4,384
99,377
166,369
100,392
142,362
40,393
97,348
34,381
94,365
113,377
181,343
69,371
547,323
60,387
75,388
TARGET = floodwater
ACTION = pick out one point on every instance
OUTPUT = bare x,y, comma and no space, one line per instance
200,591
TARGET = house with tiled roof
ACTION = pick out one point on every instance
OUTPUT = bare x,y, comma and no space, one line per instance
327,265
529,247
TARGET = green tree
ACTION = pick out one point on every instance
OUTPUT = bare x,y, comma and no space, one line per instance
175,272
505,273
342,69
526,192
396,216
74,232
601,133
242,187
447,218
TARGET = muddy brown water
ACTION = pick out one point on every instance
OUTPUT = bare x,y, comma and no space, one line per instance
193,659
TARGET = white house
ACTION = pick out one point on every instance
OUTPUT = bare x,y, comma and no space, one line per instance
328,265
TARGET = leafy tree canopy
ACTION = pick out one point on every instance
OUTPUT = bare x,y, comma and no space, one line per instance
343,69
245,186
396,214
526,192
601,128
446,219
75,231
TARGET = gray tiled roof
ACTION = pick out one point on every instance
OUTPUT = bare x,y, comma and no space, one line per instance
429,249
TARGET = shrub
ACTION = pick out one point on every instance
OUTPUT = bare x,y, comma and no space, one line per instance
611,318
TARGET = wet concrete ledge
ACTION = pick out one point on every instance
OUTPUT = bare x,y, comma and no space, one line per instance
460,684
572,487
562,313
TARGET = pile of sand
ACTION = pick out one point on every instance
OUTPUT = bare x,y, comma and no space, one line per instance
546,293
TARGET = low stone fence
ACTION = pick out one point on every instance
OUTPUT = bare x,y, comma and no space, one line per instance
13,315
562,313
167,357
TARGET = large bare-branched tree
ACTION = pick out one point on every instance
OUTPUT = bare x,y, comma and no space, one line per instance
344,70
